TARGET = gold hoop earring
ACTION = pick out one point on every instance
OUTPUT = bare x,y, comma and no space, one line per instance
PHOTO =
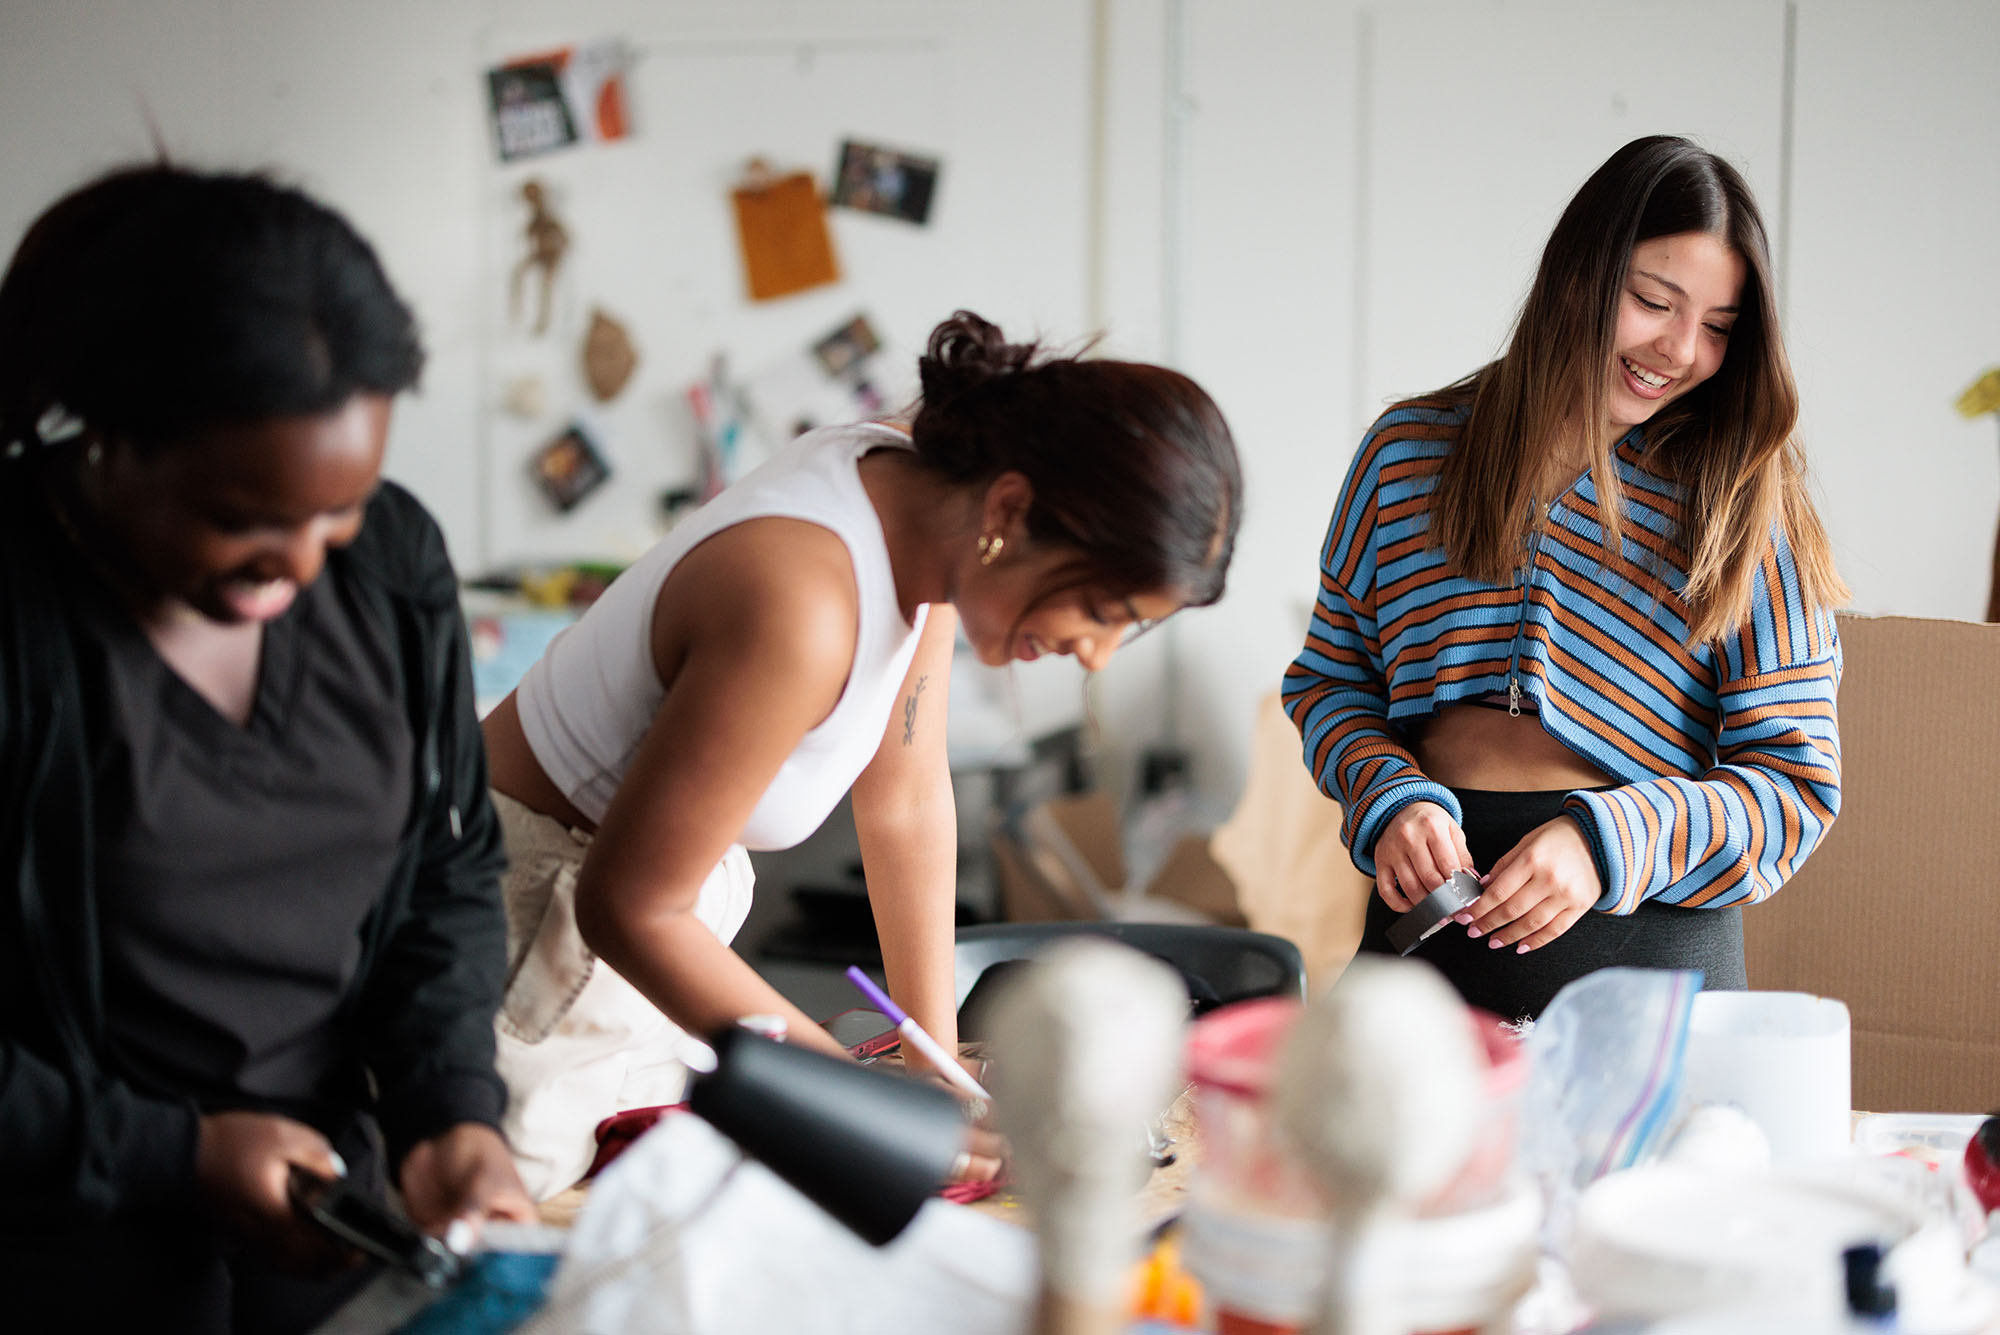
989,548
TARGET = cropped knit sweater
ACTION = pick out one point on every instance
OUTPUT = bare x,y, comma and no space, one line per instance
1726,754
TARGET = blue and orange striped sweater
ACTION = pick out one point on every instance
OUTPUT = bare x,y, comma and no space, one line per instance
1727,755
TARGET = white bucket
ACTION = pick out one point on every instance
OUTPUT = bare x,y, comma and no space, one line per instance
1453,1272
1666,1239
1783,1058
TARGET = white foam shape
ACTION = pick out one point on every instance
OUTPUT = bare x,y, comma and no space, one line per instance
681,1236
1719,1137
1086,1048
1380,1083
1380,1089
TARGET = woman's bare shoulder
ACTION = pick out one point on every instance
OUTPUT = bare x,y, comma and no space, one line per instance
781,589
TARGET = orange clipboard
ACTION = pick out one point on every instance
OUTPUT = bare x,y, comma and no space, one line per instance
781,223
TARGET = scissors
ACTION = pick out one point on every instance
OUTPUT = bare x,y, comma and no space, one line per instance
372,1227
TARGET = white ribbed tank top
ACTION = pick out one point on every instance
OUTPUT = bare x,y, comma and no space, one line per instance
587,703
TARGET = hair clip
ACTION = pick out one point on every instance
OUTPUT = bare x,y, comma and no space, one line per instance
57,424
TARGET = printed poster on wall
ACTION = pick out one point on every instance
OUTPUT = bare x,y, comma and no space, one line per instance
554,99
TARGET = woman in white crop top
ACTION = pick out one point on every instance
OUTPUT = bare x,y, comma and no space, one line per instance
791,642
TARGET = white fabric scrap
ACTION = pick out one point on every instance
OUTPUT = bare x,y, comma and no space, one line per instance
684,1236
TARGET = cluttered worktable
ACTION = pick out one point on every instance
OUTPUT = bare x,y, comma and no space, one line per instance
1177,1151
1660,1207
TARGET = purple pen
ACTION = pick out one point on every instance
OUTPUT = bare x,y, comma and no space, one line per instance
913,1034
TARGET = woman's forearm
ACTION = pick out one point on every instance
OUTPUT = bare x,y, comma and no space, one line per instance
696,980
911,859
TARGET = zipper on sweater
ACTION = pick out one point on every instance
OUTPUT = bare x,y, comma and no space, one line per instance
1538,515
1538,522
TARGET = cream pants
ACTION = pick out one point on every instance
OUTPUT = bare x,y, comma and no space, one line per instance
577,1042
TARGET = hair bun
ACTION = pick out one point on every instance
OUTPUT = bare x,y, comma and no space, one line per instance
967,351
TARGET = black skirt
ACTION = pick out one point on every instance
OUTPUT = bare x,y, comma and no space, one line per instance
1515,986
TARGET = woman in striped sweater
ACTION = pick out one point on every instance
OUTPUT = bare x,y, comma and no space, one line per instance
1574,626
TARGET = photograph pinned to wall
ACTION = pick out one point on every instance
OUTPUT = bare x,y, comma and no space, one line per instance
554,99
1980,398
875,179
569,468
781,225
844,350
792,394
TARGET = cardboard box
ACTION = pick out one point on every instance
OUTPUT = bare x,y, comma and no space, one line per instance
1276,865
1897,913
1063,859
1281,850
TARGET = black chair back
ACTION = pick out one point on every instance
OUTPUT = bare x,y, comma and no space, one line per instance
1217,965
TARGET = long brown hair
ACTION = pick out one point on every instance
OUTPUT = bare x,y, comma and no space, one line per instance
1729,442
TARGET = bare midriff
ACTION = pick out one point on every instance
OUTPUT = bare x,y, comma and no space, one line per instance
1470,746
512,769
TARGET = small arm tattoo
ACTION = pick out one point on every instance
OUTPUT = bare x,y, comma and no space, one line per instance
910,712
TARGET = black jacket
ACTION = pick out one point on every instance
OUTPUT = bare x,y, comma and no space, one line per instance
76,1142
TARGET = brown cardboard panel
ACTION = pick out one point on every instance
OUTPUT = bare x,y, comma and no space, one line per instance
1190,876
1907,1074
1091,822
1281,846
1040,879
1026,896
1897,913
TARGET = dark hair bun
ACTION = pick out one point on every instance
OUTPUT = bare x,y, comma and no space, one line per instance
966,352
1133,471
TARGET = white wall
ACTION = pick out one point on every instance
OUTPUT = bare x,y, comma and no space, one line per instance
1269,278
1367,185
1895,291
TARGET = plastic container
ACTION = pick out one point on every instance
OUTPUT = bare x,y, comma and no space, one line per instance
1783,1058
1262,1274
1661,1240
1479,1181
1265,1274
1231,1054
1933,1139
1256,1231
1230,1059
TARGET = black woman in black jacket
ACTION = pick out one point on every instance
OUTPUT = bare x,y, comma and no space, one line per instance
249,905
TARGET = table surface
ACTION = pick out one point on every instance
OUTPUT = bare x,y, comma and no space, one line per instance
1162,1198
1164,1195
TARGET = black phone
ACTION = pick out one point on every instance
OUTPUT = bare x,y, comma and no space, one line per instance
863,1032
371,1227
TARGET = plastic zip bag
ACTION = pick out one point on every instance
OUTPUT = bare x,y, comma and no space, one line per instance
1605,1080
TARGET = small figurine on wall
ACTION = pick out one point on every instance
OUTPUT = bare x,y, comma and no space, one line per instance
547,241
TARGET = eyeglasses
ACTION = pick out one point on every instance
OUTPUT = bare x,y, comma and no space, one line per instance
1135,625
